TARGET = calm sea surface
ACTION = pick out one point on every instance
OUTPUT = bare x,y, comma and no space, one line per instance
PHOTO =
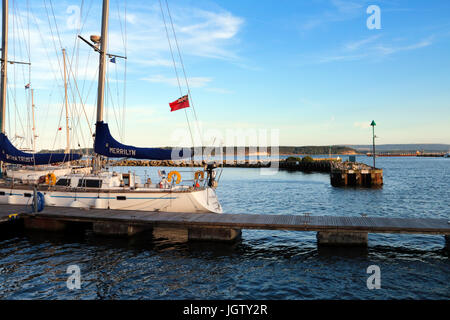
265,264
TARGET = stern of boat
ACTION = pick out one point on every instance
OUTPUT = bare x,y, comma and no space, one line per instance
207,200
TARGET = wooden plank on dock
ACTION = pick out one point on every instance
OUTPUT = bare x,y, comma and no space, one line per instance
301,222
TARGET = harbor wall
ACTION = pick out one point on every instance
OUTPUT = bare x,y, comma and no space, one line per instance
318,165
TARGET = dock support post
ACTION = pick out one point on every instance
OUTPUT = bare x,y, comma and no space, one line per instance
340,238
116,229
172,234
44,224
447,242
198,234
214,234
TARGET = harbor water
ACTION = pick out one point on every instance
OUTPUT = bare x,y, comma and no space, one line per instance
265,264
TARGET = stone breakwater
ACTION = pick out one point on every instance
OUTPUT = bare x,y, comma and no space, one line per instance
320,165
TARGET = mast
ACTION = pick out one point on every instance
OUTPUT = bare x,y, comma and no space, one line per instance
34,124
66,104
102,68
101,76
4,64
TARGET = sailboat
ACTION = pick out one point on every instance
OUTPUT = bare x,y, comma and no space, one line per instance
8,152
30,172
103,189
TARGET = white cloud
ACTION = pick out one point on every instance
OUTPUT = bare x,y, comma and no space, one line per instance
194,82
220,90
362,124
354,45
371,48
337,11
388,50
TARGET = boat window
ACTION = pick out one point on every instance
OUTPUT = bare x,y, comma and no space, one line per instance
27,195
126,179
121,198
89,183
2,193
63,182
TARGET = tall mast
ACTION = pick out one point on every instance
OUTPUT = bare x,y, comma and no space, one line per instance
101,76
4,68
102,68
66,104
34,124
4,64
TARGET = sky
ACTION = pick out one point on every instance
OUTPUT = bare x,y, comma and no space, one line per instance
301,72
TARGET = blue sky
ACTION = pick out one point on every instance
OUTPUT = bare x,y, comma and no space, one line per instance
311,69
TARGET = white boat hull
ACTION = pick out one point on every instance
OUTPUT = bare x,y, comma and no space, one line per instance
197,201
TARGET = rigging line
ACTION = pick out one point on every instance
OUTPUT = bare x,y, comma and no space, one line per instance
85,72
184,71
18,25
120,22
77,46
56,24
82,24
78,125
14,75
176,73
109,97
75,42
75,121
113,107
45,48
118,96
81,99
46,51
48,109
29,75
53,41
170,47
87,97
59,125
106,103
120,112
9,112
32,138
29,34
125,72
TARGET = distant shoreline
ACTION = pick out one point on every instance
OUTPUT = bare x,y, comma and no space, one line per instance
292,150
250,151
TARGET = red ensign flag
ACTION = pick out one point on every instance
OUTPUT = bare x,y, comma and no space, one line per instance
178,104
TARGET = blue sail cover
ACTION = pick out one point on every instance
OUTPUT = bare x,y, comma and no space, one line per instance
10,154
107,146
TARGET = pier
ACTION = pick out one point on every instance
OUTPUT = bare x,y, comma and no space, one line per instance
352,174
408,154
331,230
